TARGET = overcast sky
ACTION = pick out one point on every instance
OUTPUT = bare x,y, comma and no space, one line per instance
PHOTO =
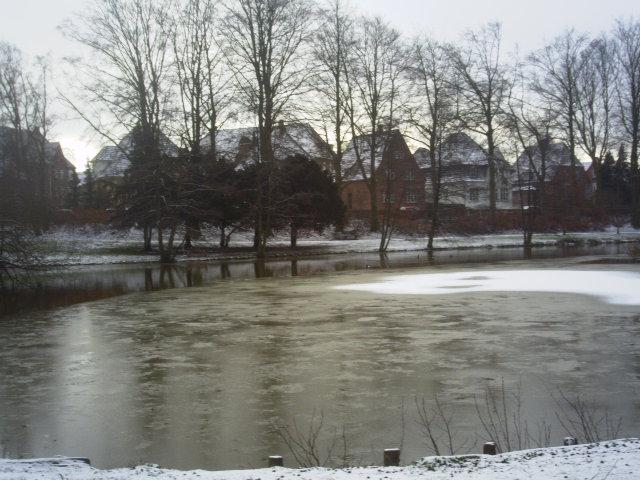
31,25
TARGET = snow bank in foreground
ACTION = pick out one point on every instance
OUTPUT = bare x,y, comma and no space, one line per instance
621,288
614,460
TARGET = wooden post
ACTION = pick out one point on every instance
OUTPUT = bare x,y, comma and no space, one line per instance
276,461
570,441
489,448
391,457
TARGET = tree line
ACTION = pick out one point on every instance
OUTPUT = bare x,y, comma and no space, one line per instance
188,68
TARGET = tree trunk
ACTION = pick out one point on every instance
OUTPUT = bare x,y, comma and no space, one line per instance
223,238
256,237
294,236
635,177
147,233
492,176
375,221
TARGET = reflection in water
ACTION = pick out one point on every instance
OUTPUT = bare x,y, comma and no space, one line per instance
225,272
384,260
196,377
87,283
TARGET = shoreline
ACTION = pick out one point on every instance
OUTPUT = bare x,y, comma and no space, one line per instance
310,248
618,459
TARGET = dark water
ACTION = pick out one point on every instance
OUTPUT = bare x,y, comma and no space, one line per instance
86,283
198,377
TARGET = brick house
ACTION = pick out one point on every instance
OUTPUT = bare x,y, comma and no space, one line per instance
399,180
565,186
34,167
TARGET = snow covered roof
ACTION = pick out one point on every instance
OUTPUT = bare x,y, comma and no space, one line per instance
557,155
240,145
361,146
229,141
113,160
460,148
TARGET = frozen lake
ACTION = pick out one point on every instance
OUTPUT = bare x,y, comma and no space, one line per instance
195,378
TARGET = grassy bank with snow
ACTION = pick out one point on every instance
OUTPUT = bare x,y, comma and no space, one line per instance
86,246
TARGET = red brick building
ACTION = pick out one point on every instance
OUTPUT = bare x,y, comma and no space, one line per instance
565,186
400,184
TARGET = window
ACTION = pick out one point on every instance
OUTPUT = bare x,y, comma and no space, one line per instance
474,194
411,196
389,174
388,197
409,175
504,194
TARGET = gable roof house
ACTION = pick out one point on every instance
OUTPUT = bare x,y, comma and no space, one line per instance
465,174
33,166
558,176
241,145
399,179
112,161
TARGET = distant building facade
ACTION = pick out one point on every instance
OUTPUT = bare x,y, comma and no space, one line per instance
240,146
33,167
465,174
399,179
543,175
111,162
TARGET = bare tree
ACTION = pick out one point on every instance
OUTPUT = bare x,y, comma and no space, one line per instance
373,81
332,45
24,170
432,113
436,422
530,121
582,419
126,80
24,104
501,415
265,42
485,82
595,82
627,38
555,78
205,97
199,68
317,445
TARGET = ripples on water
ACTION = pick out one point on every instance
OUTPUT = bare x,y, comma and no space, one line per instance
196,377
86,283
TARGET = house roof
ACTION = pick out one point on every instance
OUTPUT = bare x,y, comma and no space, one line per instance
240,145
460,148
360,147
113,160
558,155
53,150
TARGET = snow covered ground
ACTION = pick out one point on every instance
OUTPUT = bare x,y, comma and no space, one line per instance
612,460
618,288
87,246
